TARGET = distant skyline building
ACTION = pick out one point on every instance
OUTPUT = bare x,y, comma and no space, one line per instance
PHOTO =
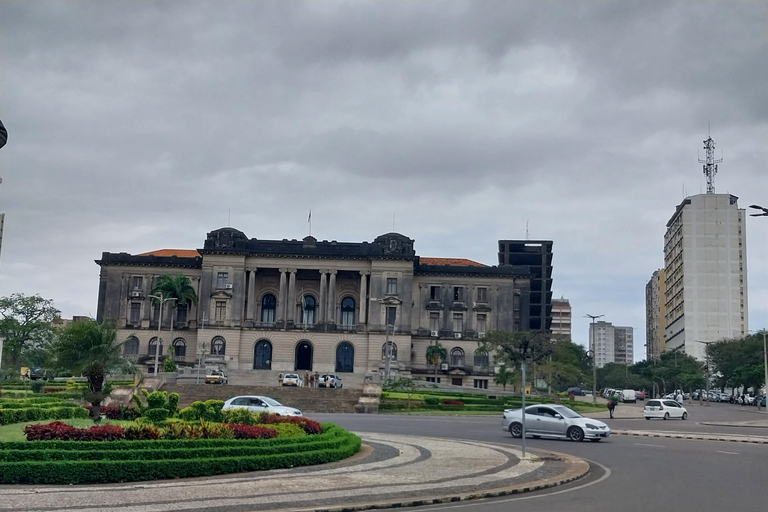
561,317
613,344
705,259
655,316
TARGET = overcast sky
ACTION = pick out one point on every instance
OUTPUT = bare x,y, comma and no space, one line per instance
136,126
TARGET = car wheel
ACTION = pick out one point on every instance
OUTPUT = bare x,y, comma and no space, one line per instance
536,437
666,415
596,439
575,434
647,417
516,429
685,415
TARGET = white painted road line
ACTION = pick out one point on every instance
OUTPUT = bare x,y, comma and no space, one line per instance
651,445
728,453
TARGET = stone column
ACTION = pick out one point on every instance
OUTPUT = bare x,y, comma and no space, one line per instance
323,298
291,306
331,311
282,297
250,310
363,298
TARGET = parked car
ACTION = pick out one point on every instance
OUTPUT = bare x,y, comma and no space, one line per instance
664,409
215,376
40,373
292,379
628,395
575,390
258,403
639,395
329,380
553,421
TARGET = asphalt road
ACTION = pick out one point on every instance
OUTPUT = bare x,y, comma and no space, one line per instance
629,474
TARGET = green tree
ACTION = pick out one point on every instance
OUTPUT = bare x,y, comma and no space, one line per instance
26,326
515,347
178,287
404,385
739,361
504,376
436,354
91,349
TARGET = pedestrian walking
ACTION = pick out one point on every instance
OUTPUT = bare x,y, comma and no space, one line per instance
280,379
306,379
611,406
679,398
311,380
317,379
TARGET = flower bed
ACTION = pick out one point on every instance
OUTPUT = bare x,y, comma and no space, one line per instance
81,462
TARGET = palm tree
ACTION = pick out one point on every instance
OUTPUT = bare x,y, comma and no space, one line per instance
90,349
435,355
177,287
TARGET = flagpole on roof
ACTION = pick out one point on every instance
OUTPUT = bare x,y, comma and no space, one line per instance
309,221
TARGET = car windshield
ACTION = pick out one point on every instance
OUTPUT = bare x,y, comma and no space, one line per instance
566,412
271,401
291,376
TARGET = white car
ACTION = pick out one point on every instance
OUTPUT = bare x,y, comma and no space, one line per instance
553,421
292,379
664,409
329,380
257,403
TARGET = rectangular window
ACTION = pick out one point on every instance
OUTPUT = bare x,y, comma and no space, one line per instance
457,381
434,321
391,286
222,279
137,282
135,312
458,293
221,310
391,316
432,379
481,383
181,313
434,293
481,323
155,312
482,295
458,322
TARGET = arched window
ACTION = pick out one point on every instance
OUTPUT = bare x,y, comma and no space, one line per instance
348,311
153,346
392,350
268,306
457,357
481,358
131,346
262,355
308,310
345,358
179,347
218,346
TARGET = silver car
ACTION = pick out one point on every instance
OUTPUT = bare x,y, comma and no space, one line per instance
256,403
553,421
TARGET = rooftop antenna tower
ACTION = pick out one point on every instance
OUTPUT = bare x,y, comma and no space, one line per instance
710,163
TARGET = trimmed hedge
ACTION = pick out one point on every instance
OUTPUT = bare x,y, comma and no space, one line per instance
73,462
8,416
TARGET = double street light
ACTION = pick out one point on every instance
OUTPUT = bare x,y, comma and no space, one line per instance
594,356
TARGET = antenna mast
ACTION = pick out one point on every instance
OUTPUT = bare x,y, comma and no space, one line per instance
710,164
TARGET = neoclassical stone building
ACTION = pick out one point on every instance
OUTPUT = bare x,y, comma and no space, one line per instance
275,306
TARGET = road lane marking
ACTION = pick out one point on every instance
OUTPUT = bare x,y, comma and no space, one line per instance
651,445
728,453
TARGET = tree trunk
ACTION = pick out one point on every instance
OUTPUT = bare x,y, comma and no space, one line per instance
96,411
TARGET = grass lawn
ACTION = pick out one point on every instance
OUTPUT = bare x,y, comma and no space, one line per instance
15,431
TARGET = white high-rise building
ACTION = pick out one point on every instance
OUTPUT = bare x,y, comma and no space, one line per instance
613,344
705,259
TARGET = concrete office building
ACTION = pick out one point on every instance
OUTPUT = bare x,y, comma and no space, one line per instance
561,317
613,344
655,316
705,260
537,255
275,306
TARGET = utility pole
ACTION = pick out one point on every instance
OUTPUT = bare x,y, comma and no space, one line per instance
594,356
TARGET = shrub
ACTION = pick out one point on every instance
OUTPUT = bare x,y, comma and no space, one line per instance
37,386
155,399
255,432
240,416
138,432
288,430
156,415
309,426
431,400
173,402
169,365
452,402
53,389
62,431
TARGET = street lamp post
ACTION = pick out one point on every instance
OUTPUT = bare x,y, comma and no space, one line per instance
594,357
161,301
706,375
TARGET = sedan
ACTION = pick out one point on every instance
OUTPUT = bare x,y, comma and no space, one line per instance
256,403
553,421
664,409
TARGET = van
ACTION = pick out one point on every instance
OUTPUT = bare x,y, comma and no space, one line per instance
628,395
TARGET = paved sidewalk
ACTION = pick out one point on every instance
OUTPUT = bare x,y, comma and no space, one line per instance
391,471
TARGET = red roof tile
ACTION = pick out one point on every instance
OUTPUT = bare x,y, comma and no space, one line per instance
181,253
456,262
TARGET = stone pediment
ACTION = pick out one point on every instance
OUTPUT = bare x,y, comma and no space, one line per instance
221,294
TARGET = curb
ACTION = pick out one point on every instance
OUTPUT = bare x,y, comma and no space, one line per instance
694,436
578,468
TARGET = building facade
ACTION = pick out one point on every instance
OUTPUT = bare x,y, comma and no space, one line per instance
537,255
269,306
613,344
655,316
705,264
561,317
